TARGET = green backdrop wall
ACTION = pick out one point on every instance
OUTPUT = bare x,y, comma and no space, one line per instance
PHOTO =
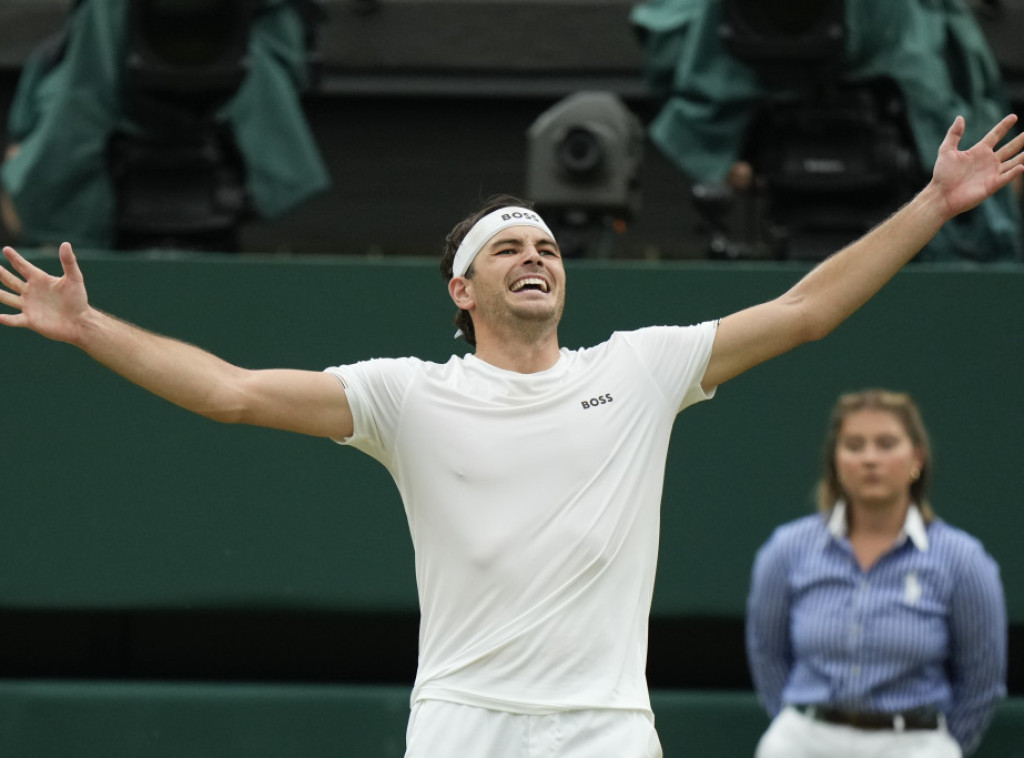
161,720
113,499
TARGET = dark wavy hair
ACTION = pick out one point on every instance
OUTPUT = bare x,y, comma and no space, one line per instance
451,245
900,405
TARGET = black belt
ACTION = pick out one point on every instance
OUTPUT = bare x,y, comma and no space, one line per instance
919,718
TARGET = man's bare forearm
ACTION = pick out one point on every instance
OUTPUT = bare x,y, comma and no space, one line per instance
174,370
842,283
827,295
307,402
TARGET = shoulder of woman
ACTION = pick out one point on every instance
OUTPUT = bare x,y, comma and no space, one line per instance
798,533
955,543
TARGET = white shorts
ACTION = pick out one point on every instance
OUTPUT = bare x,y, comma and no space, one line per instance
793,734
439,729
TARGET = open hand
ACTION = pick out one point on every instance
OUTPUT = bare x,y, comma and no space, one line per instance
966,177
50,305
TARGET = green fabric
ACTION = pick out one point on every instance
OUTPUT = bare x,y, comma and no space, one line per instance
932,49
63,117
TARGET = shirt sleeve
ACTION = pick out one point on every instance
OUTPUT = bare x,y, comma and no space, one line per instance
375,390
977,621
769,651
676,357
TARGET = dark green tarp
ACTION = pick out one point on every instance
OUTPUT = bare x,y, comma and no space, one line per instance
63,115
933,50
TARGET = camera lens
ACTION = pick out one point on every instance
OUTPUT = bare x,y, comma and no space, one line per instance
580,154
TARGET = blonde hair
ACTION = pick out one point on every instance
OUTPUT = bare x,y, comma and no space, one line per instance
905,410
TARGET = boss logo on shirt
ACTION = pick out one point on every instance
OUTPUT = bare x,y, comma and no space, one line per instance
595,401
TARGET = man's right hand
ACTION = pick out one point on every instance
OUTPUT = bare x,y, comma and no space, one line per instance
50,305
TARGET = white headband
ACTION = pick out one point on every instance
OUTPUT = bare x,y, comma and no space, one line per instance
486,228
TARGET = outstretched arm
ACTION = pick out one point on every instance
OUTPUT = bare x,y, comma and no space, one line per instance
308,402
842,283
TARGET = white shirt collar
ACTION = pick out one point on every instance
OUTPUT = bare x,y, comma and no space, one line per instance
913,525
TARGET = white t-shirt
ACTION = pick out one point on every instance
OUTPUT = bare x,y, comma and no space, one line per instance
533,502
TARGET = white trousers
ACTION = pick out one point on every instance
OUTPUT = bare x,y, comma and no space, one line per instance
438,729
793,734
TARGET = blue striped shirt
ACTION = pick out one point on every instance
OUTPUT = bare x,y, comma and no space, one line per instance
924,626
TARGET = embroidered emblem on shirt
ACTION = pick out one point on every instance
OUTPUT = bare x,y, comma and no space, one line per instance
595,401
912,589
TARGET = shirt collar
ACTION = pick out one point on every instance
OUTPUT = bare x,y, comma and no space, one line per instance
913,526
